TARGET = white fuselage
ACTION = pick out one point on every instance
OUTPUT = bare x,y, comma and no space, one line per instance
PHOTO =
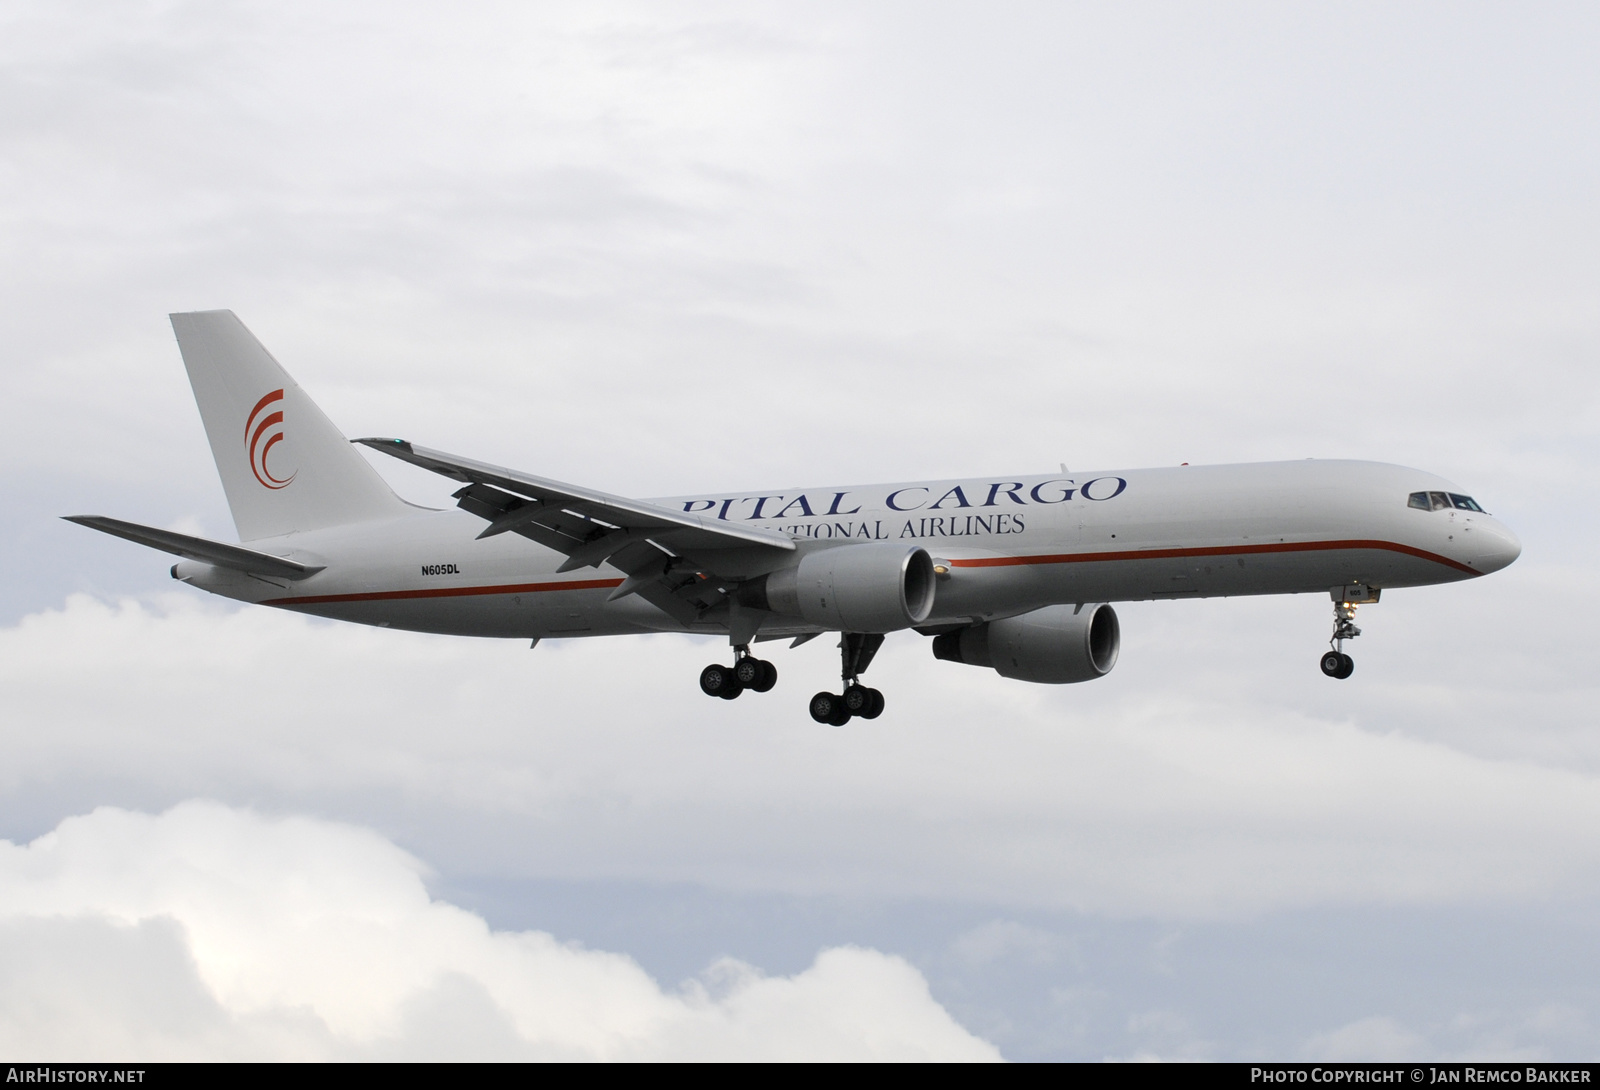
1007,545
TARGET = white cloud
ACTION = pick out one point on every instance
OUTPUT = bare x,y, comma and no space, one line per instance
1166,1036
718,245
1002,940
1541,1034
209,933
1368,1040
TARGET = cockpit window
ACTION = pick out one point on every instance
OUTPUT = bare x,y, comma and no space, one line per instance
1442,501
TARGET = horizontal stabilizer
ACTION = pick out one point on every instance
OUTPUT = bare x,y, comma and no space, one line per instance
198,548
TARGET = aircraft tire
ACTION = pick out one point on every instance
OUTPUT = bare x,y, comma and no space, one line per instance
769,678
716,679
857,700
1332,663
823,706
875,708
748,671
1346,668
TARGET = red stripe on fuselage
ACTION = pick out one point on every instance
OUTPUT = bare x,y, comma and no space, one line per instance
444,592
972,562
1218,550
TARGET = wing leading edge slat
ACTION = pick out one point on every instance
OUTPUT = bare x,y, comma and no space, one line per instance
665,554
681,531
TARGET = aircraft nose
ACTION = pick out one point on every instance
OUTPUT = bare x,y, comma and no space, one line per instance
1497,548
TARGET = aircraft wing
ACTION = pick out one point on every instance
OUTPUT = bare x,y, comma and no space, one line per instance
198,548
656,547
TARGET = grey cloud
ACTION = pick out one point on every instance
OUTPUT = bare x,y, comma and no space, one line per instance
1183,807
721,246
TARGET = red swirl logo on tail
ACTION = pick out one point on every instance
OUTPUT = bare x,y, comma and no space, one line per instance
262,432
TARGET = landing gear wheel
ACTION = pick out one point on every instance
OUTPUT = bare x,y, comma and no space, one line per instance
732,691
824,705
1338,664
717,679
840,716
755,674
858,700
1345,600
874,709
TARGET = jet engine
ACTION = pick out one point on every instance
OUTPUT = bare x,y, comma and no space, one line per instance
1054,645
875,586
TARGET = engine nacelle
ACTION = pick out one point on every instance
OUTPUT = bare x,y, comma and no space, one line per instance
877,586
1053,645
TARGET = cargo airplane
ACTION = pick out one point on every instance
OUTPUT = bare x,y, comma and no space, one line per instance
1014,573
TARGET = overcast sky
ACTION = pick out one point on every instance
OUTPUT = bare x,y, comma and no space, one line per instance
661,250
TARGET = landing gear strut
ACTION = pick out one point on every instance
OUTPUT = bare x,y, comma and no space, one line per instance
855,651
1345,600
747,672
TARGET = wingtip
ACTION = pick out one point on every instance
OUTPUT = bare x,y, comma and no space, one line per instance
385,444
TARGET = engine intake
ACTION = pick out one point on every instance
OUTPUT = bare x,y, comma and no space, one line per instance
1055,645
870,587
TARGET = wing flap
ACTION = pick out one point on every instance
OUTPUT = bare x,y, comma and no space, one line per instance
666,555
571,505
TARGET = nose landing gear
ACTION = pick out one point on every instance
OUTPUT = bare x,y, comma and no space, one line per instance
855,651
1338,664
1345,600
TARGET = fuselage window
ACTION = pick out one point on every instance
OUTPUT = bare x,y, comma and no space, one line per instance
1466,503
1419,500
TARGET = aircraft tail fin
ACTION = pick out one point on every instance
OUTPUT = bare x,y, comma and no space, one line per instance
284,466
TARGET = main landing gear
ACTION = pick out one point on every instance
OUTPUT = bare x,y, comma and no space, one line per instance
855,652
747,672
836,709
1345,599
